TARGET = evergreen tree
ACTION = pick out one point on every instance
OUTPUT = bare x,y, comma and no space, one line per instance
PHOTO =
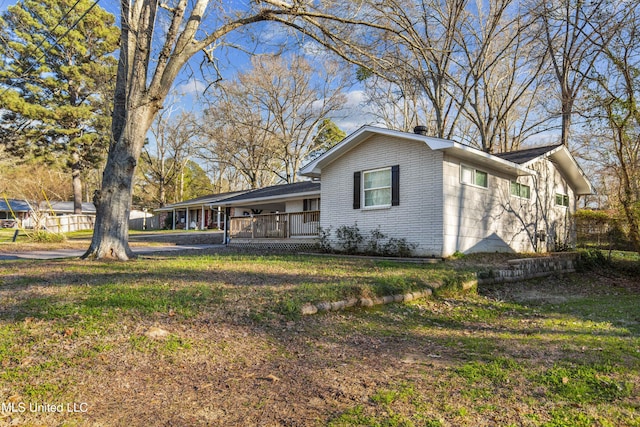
56,83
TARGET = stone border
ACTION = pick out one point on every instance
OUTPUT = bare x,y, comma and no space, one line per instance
518,270
322,307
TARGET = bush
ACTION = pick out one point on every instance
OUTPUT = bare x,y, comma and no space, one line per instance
351,241
349,238
592,259
46,237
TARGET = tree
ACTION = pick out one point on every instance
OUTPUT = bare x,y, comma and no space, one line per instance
54,82
572,34
614,113
166,158
270,114
328,134
142,85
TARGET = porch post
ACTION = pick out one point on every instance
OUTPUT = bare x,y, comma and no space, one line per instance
219,209
202,218
227,214
174,218
186,220
253,227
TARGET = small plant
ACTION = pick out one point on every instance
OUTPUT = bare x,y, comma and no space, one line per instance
373,242
46,237
398,247
349,238
324,240
592,259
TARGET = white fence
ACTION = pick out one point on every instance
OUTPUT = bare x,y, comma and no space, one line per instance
66,223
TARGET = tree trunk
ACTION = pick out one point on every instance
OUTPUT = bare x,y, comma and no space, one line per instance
76,183
111,231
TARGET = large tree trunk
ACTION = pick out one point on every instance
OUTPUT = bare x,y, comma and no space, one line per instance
111,231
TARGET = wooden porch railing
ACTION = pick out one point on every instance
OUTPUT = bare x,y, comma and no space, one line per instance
275,226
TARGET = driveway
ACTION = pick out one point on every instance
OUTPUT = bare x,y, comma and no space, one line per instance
75,253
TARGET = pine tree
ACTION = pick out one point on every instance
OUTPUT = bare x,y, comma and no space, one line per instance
56,83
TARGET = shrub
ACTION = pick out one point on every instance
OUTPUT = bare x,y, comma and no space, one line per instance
46,237
592,259
349,238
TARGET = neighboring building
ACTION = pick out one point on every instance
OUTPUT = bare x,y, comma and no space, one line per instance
55,208
447,197
439,195
14,213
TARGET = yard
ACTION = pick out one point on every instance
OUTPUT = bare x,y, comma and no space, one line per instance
217,339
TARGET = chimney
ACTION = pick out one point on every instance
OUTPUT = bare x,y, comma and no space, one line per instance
421,130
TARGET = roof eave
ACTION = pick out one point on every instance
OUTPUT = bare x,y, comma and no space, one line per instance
271,199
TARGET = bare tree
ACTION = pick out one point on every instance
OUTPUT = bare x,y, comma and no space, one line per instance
166,157
572,33
142,85
614,112
503,80
292,98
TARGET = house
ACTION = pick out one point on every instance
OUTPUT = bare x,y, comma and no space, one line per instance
445,197
286,211
13,212
440,196
55,208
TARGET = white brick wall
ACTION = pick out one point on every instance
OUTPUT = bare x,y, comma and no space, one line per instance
418,218
440,214
490,220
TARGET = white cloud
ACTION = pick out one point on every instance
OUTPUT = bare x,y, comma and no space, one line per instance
193,87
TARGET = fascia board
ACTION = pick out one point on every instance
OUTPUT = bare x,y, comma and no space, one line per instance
269,199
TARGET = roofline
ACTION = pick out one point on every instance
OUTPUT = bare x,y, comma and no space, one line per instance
204,201
313,168
582,188
290,196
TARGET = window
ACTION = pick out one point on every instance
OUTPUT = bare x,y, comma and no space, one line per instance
562,199
311,208
520,190
311,204
381,187
473,176
377,187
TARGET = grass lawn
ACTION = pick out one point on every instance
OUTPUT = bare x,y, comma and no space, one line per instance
217,339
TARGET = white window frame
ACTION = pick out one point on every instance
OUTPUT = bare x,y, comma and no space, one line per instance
473,176
520,185
364,189
564,196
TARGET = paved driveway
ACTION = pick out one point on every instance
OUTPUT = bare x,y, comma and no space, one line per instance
75,253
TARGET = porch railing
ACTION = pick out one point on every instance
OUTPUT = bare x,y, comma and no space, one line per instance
275,226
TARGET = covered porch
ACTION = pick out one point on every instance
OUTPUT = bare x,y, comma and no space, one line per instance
284,225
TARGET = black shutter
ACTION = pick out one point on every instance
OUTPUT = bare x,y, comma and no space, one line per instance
395,185
305,205
356,190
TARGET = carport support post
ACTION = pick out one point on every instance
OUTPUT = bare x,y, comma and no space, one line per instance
227,214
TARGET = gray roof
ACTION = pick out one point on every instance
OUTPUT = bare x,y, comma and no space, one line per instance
16,205
282,190
274,191
198,201
526,155
66,207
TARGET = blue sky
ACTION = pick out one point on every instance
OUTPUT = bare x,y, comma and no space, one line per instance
267,36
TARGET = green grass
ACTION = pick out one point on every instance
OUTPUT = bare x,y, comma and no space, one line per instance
554,352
